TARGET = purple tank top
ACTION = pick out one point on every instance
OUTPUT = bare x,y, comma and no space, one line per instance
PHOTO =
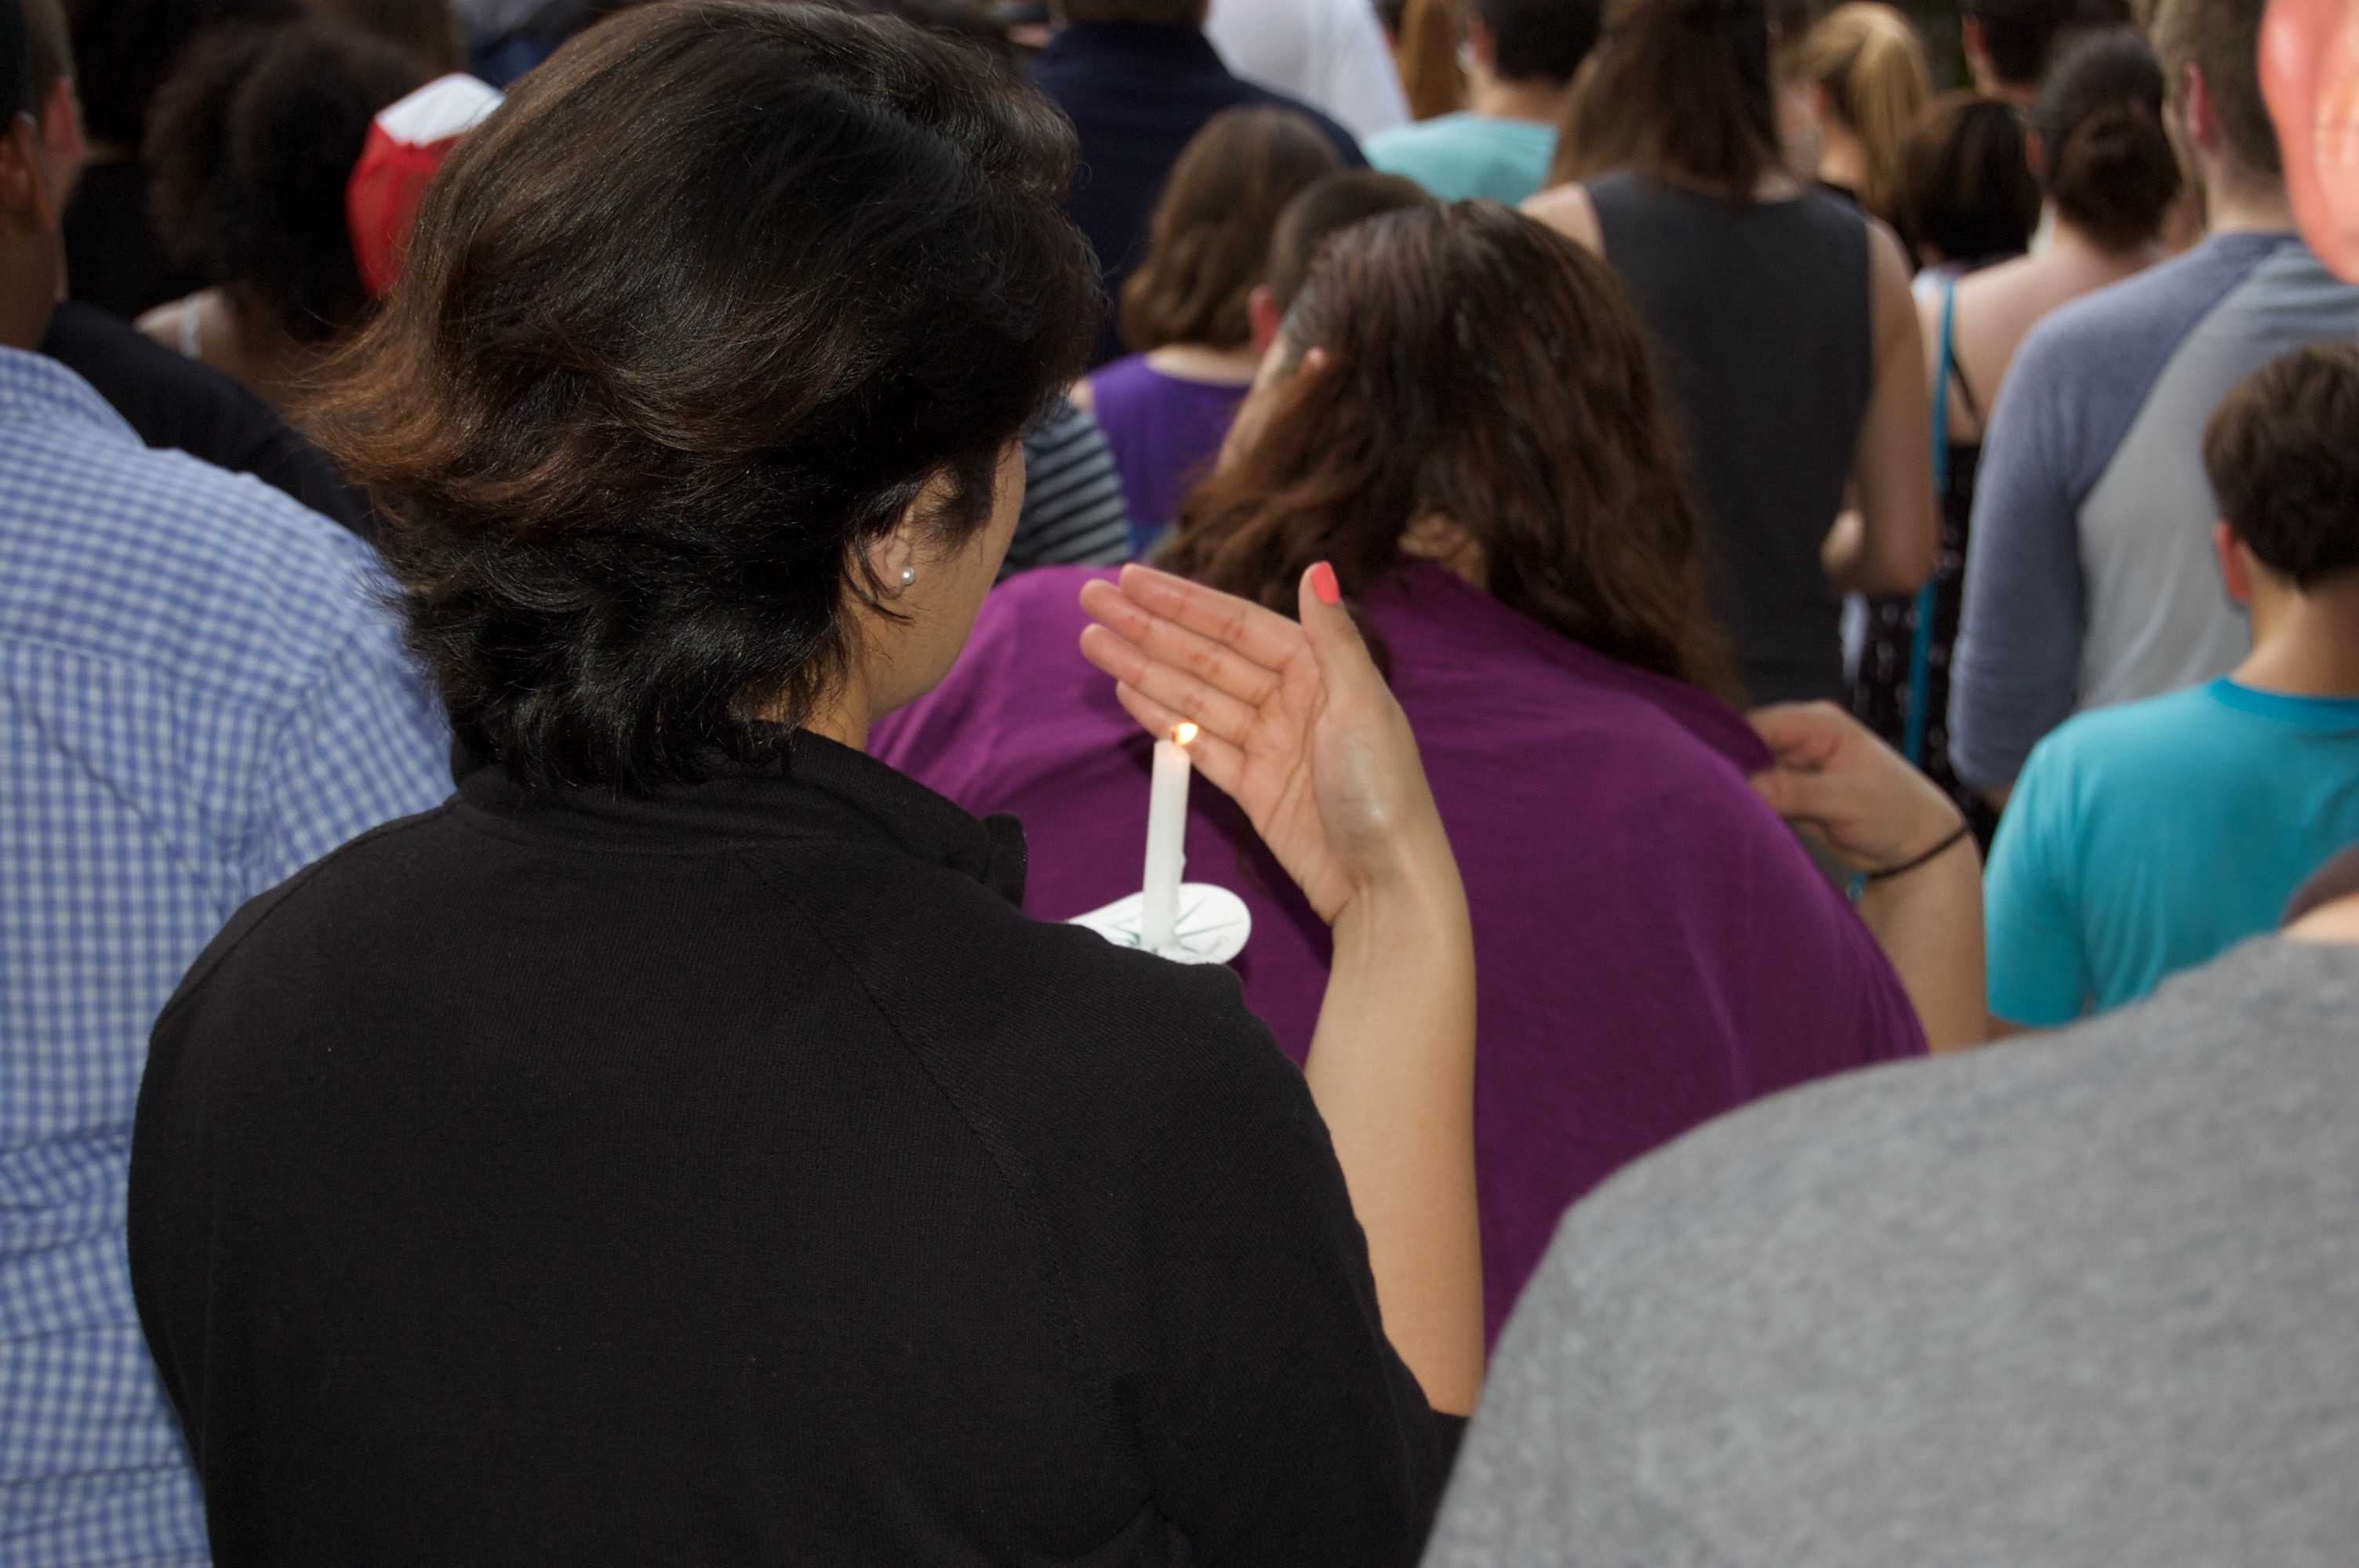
1165,432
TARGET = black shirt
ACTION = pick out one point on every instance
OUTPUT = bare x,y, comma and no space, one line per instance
1138,93
737,1176
173,402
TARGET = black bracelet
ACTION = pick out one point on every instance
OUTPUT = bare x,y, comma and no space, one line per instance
1921,861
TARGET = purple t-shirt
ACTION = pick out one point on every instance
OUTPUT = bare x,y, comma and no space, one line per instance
1653,945
1165,431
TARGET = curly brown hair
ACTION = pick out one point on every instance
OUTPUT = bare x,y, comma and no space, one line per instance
1210,238
1488,371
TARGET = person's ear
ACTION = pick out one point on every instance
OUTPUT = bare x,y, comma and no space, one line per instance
1481,46
2200,113
62,136
1970,35
2035,153
2235,562
26,202
1263,318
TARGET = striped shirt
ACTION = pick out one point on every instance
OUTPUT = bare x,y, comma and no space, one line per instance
1074,512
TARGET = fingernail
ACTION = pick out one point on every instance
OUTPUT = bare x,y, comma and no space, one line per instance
1323,584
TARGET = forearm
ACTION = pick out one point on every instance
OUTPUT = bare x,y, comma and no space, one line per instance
1929,924
1392,1070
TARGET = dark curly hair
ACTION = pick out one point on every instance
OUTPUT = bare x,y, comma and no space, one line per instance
2282,467
252,143
699,314
1491,372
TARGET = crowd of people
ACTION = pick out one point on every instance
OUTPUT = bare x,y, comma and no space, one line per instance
591,592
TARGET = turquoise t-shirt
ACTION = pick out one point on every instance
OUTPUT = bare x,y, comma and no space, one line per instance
2147,839
1459,158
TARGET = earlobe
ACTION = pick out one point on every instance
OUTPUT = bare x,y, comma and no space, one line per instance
1261,314
2235,575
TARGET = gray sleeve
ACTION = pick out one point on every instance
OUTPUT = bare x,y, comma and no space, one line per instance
1074,510
2017,667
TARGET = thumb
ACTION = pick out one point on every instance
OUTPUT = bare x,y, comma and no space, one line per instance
1344,663
1797,795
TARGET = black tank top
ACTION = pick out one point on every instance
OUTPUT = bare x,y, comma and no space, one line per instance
1760,317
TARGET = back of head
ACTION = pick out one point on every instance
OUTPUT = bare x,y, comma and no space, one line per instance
124,50
1540,41
2023,37
720,294
2221,39
1485,370
1678,88
2283,465
1869,63
1330,204
1210,236
251,148
1967,193
2108,162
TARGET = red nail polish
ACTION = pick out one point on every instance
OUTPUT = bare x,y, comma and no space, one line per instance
1323,584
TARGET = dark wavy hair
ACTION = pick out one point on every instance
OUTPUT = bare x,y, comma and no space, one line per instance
250,149
1488,371
124,50
699,314
1208,243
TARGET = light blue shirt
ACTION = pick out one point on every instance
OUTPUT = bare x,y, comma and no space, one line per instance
2147,839
200,694
1461,157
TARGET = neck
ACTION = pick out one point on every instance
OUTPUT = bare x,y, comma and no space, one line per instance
2337,921
2070,244
1842,160
2241,205
2305,645
1202,362
1496,98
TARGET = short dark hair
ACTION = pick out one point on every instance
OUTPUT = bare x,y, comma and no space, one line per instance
1966,187
2223,39
1541,40
252,146
965,20
126,50
16,62
722,292
1329,206
2022,37
427,29
2110,164
1208,238
2283,465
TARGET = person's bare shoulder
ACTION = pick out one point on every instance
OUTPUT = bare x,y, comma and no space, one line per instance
1568,210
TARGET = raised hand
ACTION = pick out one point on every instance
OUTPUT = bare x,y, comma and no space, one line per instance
1297,724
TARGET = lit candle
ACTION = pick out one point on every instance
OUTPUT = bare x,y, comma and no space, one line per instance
1166,840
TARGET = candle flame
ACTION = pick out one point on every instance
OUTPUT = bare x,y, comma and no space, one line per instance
1184,734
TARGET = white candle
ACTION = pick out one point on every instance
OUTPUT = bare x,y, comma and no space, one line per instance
1166,840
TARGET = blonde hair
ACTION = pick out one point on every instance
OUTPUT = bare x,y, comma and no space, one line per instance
1425,52
1870,62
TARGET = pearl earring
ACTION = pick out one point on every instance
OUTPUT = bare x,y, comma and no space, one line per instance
909,576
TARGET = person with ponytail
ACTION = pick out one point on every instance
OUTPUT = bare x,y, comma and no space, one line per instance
1866,68
1652,946
2109,175
1783,317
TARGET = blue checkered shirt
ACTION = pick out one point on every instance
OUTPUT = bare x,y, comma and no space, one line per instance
199,694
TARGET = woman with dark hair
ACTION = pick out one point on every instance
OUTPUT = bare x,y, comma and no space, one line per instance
2110,177
1967,189
1514,531
253,146
1784,321
1185,312
679,1147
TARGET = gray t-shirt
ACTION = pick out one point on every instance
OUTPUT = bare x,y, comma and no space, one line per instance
2086,1298
2090,577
